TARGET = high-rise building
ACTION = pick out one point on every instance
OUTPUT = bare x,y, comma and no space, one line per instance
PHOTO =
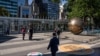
35,10
24,2
53,10
24,10
42,8
47,9
21,2
11,6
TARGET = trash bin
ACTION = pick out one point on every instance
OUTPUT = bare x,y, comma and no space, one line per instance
34,54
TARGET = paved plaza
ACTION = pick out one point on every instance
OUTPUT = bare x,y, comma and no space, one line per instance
13,45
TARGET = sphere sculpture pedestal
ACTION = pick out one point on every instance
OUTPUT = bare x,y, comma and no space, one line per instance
76,49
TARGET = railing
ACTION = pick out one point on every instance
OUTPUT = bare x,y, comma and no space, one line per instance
39,24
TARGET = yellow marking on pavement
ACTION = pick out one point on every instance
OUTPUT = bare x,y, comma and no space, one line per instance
79,49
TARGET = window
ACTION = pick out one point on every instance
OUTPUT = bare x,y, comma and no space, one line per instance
25,13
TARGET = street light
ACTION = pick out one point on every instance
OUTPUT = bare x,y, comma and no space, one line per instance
88,19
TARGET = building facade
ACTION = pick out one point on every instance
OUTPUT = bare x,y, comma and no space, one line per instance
35,10
11,6
47,9
53,10
40,25
21,2
24,9
25,12
42,8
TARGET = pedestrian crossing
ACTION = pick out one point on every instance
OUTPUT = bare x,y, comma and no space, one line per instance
21,46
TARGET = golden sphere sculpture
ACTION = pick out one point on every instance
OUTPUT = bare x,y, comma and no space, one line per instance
75,25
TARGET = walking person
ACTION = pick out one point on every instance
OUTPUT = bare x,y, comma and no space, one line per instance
53,44
55,30
23,30
8,31
30,33
58,33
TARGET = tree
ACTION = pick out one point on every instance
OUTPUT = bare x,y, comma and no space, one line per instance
76,8
4,12
84,9
97,13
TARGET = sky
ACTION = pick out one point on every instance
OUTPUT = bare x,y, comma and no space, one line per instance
30,1
63,1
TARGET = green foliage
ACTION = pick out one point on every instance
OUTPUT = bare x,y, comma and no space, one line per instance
3,12
82,8
70,5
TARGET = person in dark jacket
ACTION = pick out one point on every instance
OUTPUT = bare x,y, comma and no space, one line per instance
58,32
8,30
53,44
30,33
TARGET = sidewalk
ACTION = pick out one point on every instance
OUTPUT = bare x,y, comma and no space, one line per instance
66,38
82,38
13,37
65,54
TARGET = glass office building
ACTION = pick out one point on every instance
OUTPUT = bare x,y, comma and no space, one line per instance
21,2
11,6
53,10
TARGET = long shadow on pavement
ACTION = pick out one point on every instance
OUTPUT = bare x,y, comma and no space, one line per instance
58,54
38,39
64,54
96,51
4,38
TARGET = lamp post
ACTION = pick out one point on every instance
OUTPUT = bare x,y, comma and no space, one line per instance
88,19
35,15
